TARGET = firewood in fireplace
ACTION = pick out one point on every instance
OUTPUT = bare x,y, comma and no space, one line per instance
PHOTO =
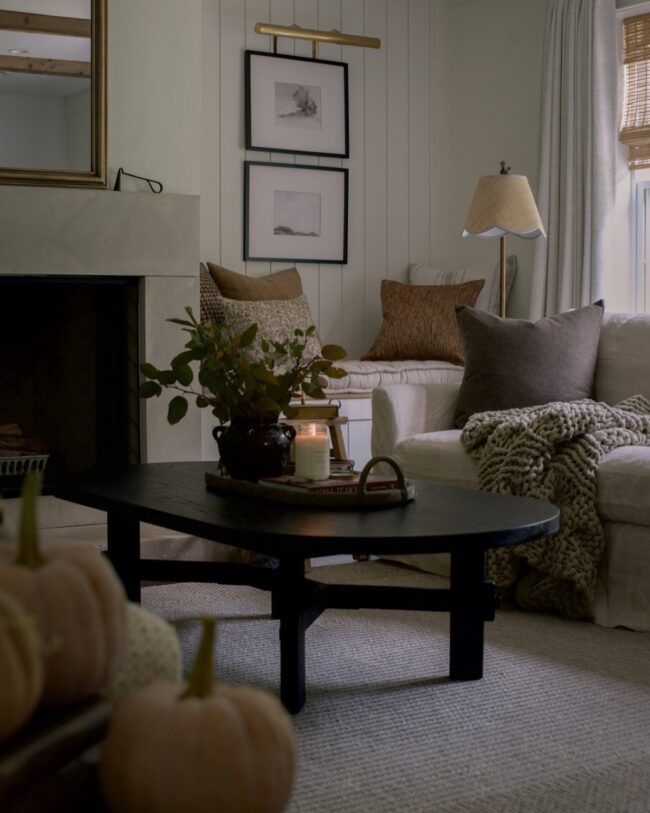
13,441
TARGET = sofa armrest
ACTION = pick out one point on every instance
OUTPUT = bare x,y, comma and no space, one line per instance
402,410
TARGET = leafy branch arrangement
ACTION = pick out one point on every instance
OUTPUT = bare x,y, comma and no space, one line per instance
238,376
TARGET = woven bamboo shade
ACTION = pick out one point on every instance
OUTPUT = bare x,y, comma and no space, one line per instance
635,129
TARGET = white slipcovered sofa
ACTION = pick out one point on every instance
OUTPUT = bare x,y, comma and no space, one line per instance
414,424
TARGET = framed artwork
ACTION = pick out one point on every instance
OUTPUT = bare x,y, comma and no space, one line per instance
296,105
295,213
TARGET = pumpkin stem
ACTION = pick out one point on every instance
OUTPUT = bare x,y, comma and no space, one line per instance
201,677
29,553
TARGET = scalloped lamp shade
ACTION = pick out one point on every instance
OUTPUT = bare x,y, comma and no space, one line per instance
503,204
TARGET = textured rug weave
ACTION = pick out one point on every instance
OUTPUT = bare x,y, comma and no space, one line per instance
560,721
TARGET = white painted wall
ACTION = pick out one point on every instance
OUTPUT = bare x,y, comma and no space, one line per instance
33,131
154,92
493,70
78,115
154,130
453,90
397,128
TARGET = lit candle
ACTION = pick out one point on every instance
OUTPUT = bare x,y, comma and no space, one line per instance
312,452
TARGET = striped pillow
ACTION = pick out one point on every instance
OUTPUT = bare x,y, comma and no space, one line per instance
488,299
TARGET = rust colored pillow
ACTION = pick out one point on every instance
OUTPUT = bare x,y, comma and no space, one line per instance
284,284
420,321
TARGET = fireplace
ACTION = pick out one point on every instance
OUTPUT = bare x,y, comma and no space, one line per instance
69,368
111,267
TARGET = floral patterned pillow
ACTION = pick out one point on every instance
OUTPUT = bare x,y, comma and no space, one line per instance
276,319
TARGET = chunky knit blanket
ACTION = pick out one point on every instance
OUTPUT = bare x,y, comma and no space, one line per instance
552,452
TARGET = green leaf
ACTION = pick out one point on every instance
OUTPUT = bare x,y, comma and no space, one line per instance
335,372
149,389
167,377
201,401
291,411
310,330
190,313
260,374
184,358
312,390
321,366
183,322
248,336
184,375
149,371
333,352
267,406
207,379
177,409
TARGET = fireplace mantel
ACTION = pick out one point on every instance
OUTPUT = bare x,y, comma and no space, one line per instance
88,231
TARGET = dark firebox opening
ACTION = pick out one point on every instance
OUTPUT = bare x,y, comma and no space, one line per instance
69,368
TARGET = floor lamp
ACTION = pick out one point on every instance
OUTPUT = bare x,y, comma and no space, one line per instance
503,204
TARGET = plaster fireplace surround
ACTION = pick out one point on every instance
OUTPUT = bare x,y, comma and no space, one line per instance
99,233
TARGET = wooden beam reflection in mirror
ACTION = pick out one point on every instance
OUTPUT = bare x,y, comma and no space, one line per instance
51,67
44,24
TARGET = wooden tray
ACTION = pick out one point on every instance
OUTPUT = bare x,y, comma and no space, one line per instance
292,495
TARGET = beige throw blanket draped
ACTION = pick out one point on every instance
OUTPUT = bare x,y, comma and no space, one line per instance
552,452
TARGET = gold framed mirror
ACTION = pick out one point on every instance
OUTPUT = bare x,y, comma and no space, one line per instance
53,92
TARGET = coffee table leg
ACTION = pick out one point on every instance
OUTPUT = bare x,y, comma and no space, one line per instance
292,633
124,553
467,614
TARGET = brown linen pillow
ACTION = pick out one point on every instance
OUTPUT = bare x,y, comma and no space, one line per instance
284,284
419,321
211,301
516,363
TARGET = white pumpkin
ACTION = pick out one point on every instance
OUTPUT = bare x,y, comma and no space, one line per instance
153,652
204,748
78,603
21,666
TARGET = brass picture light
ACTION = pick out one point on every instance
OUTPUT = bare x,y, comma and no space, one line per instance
296,32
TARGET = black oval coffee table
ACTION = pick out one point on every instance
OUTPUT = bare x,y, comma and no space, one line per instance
462,522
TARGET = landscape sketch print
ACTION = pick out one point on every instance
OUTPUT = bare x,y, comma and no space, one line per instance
296,214
297,105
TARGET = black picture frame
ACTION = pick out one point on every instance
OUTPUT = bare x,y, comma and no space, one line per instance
295,213
279,118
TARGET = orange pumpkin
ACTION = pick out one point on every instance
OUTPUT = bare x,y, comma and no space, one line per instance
207,748
21,666
78,603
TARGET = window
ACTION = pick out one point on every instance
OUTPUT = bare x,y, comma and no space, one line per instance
633,188
635,128
642,230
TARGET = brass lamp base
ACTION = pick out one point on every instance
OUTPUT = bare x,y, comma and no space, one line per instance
502,277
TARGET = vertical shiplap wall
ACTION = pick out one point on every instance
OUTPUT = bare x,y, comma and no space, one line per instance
394,136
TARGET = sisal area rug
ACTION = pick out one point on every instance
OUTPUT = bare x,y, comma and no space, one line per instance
560,722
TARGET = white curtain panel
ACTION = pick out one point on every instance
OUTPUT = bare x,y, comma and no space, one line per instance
577,161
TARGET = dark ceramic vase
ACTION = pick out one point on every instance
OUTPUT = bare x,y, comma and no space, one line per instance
251,448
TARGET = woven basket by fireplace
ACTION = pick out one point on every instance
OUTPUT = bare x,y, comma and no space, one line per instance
18,464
